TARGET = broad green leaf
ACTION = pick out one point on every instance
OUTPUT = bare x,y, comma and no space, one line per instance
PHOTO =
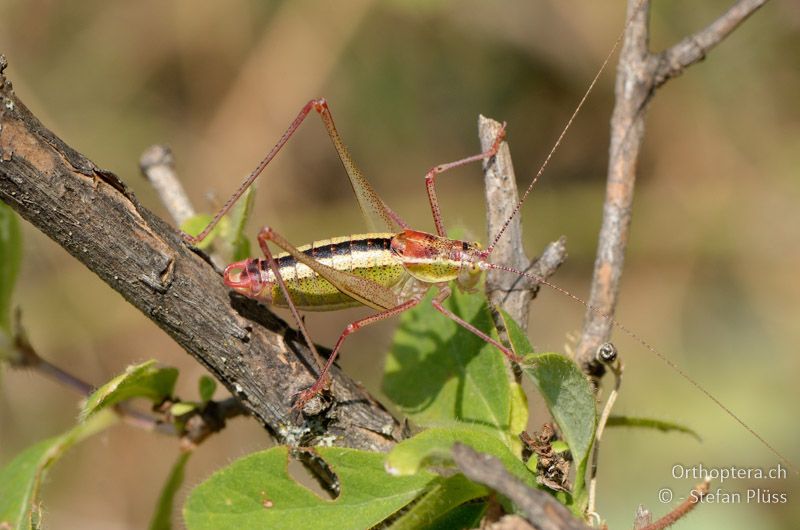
21,479
571,402
437,371
142,380
206,388
162,518
10,257
441,498
650,423
433,447
257,492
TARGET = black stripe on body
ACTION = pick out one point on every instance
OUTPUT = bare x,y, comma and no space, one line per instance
368,256
347,247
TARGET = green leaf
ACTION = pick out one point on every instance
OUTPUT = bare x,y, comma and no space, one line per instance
437,371
10,257
195,224
142,380
465,516
445,495
519,401
257,492
162,518
433,447
181,408
21,479
650,423
206,388
519,413
233,232
571,402
519,340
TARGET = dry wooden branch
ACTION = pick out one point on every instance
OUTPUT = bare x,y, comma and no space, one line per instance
540,508
639,74
92,214
509,291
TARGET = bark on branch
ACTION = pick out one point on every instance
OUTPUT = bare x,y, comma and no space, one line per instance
639,74
92,214
511,292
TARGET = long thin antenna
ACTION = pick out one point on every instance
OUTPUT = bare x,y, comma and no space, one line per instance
566,128
652,350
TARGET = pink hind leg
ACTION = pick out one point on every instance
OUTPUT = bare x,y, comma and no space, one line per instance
367,198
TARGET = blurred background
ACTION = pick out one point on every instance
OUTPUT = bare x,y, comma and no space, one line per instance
711,274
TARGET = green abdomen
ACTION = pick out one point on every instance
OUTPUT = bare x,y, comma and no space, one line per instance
365,255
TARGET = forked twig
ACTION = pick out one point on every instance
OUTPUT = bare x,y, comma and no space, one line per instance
197,428
507,290
639,74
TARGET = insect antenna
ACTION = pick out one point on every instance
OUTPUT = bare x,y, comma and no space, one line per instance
565,129
652,349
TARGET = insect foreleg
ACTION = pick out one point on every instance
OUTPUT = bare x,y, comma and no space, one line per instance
273,265
431,176
444,292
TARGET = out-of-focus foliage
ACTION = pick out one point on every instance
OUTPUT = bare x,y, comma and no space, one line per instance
10,257
21,479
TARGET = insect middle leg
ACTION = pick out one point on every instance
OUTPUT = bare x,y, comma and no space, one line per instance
444,292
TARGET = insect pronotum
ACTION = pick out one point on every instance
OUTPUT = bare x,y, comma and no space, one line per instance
390,268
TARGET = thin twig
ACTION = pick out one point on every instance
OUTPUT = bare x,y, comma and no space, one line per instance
617,369
639,74
540,508
209,420
25,356
158,167
692,500
511,292
197,428
694,48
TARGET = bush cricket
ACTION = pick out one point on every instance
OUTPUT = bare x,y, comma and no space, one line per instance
390,268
